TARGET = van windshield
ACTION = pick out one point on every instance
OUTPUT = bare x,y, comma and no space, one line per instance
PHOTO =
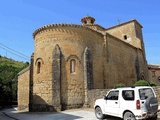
145,93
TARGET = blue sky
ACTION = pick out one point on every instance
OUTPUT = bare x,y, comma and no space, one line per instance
20,18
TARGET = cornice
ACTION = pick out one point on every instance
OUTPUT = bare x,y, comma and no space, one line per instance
61,28
153,66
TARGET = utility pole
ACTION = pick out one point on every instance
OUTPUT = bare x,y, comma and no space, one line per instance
119,21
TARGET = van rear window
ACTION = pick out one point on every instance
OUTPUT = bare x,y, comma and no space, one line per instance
145,93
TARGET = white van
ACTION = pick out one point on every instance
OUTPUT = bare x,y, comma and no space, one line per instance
129,103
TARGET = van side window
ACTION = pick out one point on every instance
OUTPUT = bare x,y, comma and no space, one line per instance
113,95
128,94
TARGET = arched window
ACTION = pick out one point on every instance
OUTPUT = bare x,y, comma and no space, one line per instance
38,67
72,66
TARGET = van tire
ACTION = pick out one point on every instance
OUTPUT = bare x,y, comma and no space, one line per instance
98,113
151,104
128,115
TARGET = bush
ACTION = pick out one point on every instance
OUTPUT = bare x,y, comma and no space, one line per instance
119,85
152,83
142,83
145,83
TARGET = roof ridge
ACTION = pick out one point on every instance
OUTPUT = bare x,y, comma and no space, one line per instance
134,20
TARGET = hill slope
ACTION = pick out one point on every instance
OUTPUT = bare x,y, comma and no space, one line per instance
4,60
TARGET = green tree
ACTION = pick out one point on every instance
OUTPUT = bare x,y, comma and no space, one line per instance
8,79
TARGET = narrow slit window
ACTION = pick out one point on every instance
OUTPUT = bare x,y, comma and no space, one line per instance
38,67
153,73
125,37
72,65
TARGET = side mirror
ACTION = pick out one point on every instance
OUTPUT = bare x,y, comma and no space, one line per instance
105,97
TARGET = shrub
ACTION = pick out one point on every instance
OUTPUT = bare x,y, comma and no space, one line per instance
142,83
119,85
152,83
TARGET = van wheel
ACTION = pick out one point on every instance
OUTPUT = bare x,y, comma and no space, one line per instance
128,116
152,104
98,113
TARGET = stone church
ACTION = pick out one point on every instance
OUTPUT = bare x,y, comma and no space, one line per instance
70,59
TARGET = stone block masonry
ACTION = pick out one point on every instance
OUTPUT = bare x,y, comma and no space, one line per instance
73,65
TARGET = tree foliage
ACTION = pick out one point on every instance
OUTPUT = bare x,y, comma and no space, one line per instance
9,78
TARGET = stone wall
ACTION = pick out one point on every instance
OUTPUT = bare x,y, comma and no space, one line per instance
70,90
95,94
157,91
42,97
23,89
129,32
124,63
154,73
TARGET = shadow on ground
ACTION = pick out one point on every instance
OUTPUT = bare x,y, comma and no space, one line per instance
13,114
74,114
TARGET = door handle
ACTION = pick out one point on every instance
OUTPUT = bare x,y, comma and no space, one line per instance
116,102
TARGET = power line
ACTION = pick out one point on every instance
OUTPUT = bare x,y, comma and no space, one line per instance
14,50
14,53
21,56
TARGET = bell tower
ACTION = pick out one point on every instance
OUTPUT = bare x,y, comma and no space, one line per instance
88,20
